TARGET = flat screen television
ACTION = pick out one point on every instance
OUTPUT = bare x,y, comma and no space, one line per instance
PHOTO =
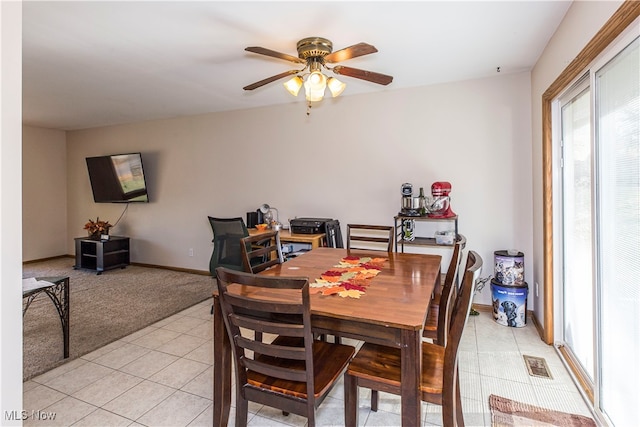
118,178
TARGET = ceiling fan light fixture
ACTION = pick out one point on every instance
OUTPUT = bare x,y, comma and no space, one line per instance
293,85
316,53
335,86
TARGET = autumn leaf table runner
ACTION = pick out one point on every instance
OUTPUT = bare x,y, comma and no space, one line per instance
350,278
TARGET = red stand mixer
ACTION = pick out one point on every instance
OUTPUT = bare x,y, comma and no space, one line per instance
440,206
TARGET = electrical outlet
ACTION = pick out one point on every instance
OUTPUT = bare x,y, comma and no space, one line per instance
190,251
537,290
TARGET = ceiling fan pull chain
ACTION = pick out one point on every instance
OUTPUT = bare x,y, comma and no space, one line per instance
308,108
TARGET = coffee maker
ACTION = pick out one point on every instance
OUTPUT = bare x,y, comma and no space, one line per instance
409,204
440,206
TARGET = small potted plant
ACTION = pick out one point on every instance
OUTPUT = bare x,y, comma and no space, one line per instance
97,228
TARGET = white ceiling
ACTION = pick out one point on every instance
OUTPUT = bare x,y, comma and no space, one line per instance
88,64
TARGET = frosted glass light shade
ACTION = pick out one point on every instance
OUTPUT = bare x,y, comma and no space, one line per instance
317,80
335,86
293,85
314,86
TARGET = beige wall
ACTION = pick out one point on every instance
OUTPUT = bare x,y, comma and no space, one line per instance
44,187
580,24
346,161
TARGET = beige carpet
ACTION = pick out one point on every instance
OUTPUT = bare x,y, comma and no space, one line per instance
507,412
103,308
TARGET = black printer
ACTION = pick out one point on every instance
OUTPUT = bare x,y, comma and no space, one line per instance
331,227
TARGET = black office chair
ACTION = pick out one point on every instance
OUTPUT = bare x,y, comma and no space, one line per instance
227,251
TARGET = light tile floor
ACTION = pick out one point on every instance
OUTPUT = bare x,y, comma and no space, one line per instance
162,376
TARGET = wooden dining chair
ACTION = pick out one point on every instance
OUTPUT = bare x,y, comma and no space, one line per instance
378,367
294,372
440,308
370,237
261,251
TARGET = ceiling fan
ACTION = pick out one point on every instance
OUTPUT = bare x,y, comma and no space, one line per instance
315,53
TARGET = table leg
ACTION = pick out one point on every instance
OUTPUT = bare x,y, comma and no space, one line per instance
59,295
351,401
221,368
411,368
66,304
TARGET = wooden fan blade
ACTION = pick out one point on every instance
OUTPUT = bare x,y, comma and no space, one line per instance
381,79
354,51
270,79
274,54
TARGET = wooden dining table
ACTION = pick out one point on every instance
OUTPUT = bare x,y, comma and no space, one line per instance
391,312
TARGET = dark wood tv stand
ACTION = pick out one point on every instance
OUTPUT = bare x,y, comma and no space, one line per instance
101,255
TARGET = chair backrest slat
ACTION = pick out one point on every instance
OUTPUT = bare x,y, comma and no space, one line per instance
267,327
261,251
374,237
289,307
276,371
268,349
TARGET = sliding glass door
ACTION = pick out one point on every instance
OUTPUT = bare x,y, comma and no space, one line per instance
577,298
617,120
599,121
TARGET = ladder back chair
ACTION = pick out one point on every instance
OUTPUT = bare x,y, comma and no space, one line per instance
261,251
370,237
439,316
294,372
378,367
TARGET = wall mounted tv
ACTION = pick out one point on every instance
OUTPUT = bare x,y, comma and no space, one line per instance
118,178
